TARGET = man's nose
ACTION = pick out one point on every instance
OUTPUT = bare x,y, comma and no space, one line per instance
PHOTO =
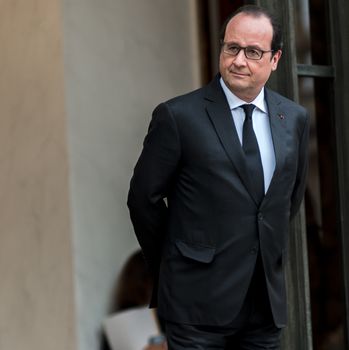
240,58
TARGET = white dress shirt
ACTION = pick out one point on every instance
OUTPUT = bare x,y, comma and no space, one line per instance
261,127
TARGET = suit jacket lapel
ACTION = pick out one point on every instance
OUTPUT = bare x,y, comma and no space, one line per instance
221,118
278,133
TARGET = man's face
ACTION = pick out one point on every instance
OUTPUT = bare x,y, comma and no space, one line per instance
243,76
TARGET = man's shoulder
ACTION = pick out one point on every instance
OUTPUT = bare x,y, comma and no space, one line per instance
211,89
187,98
186,105
274,97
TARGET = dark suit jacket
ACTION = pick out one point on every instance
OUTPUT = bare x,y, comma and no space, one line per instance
202,245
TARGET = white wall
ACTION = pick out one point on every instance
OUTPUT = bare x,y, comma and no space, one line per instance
121,59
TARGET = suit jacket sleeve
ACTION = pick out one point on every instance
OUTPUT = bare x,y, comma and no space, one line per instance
299,187
151,183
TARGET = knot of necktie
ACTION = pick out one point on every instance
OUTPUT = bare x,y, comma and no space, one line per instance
248,109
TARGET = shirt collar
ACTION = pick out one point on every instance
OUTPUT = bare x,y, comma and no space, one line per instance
235,102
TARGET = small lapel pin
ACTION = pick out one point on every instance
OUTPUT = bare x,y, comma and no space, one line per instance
281,116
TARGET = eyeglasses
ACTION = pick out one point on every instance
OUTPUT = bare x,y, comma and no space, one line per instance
250,52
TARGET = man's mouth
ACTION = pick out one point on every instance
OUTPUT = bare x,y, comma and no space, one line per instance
239,74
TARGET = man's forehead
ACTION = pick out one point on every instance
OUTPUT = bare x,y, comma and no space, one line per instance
249,23
247,18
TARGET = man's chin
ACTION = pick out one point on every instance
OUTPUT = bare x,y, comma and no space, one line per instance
235,87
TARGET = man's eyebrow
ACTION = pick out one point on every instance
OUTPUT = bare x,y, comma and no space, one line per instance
255,46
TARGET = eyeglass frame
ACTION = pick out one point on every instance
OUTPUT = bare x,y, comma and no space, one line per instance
223,44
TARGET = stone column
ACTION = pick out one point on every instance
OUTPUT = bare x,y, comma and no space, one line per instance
36,290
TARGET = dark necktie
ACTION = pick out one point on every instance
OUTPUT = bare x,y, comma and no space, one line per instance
251,150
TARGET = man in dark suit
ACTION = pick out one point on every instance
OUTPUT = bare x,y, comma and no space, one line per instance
231,159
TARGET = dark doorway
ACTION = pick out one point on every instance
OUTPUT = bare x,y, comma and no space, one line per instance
321,201
316,36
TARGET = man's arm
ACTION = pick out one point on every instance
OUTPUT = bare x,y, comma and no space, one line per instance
151,183
299,187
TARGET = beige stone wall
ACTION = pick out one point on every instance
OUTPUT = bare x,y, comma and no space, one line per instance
36,291
121,59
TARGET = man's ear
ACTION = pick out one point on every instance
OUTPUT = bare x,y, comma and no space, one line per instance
275,59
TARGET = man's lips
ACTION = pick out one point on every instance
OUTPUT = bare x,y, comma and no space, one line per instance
239,74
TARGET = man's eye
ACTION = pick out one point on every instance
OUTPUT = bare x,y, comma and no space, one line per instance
253,52
233,48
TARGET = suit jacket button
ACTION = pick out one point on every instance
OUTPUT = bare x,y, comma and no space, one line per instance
260,216
254,250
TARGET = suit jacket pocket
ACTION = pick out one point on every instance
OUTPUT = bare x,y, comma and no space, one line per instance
198,252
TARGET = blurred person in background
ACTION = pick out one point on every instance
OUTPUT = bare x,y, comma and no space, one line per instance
133,290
